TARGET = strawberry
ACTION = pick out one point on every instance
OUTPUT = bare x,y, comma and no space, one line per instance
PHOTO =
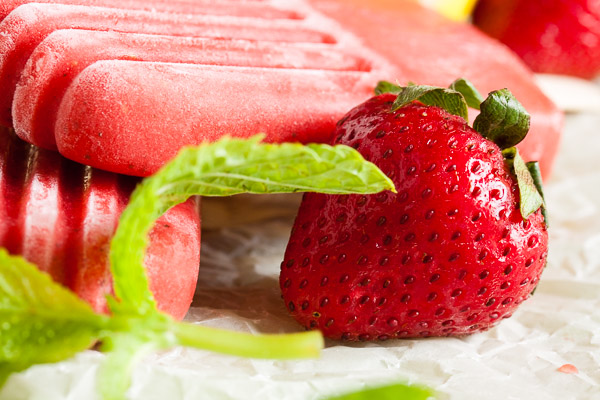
450,253
552,36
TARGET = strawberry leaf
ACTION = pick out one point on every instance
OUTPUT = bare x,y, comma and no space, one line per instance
387,87
468,90
536,174
448,99
391,392
42,322
503,120
530,199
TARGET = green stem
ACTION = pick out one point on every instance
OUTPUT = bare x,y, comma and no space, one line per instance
273,346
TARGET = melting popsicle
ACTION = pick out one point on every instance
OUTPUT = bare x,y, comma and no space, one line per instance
61,216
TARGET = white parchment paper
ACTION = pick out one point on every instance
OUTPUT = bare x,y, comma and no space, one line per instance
238,289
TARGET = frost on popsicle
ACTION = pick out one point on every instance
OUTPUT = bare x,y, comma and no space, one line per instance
38,327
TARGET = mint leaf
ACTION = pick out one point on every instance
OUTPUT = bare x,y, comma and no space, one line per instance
387,87
448,99
530,199
503,120
40,321
469,92
391,392
224,168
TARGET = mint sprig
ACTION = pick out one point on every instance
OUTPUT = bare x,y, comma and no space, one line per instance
224,168
43,322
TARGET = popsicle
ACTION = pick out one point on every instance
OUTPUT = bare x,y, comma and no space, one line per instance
185,103
222,7
26,26
102,125
64,53
61,215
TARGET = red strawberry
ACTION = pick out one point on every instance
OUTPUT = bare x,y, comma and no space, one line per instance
553,36
449,254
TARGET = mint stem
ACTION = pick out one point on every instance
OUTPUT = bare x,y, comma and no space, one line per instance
279,346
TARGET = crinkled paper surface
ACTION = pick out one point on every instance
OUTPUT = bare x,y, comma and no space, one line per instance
238,289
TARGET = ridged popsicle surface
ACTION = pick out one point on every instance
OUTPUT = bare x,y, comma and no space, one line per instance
61,216
28,25
65,53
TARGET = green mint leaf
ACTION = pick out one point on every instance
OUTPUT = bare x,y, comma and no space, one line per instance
40,321
469,91
503,120
285,346
391,392
530,198
448,99
387,87
224,168
536,174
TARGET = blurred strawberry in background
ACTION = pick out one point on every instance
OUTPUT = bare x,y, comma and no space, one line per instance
551,36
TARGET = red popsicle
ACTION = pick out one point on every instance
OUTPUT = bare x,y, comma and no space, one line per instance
430,49
64,53
221,7
130,117
61,215
101,124
25,28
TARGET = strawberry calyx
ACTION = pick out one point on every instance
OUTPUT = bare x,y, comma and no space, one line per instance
502,120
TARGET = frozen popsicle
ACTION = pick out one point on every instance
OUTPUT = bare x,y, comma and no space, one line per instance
64,53
61,215
401,40
110,117
26,26
221,7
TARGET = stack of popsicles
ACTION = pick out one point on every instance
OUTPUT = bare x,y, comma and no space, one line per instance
121,85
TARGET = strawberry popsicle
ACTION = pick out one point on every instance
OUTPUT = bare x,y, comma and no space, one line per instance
25,27
61,216
222,7
433,50
64,53
110,118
